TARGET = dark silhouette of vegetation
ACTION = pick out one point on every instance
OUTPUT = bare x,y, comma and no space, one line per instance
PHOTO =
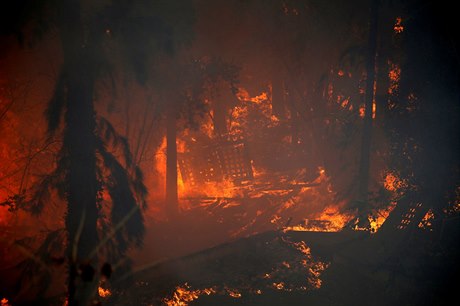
87,167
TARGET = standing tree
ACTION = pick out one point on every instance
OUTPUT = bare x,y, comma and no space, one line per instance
194,81
87,169
364,164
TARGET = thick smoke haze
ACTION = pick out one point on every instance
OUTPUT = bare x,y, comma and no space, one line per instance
228,152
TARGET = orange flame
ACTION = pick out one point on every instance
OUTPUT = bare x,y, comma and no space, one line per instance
426,222
104,293
4,302
207,126
394,74
233,293
183,295
398,27
160,165
392,182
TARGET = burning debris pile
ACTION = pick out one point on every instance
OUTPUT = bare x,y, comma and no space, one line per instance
255,176
218,161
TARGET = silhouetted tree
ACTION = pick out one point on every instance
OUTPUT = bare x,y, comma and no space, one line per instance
423,120
364,164
86,168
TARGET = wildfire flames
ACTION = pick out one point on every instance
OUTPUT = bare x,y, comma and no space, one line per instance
300,263
164,152
183,295
427,220
104,293
261,184
398,27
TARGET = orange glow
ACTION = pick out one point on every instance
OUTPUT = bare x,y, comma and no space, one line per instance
223,189
238,118
244,96
398,27
260,103
233,293
183,295
362,107
392,182
427,221
374,102
454,204
344,103
379,217
160,163
329,220
279,286
315,268
5,302
394,74
207,126
362,111
374,109
104,293
180,145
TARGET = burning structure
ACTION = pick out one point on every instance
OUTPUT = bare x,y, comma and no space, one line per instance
233,153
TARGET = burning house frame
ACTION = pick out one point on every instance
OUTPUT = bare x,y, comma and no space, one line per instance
220,159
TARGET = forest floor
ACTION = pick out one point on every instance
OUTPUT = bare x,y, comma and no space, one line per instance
210,265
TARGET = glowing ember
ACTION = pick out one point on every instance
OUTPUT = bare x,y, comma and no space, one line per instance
5,302
279,286
259,106
394,74
315,268
454,206
233,293
426,222
207,125
393,182
103,292
362,111
398,27
183,295
243,95
374,106
362,107
330,220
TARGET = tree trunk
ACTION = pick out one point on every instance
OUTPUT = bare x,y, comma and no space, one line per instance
220,118
278,96
364,164
172,203
294,120
79,147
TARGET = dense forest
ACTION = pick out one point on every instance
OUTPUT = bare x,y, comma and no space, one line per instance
244,152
